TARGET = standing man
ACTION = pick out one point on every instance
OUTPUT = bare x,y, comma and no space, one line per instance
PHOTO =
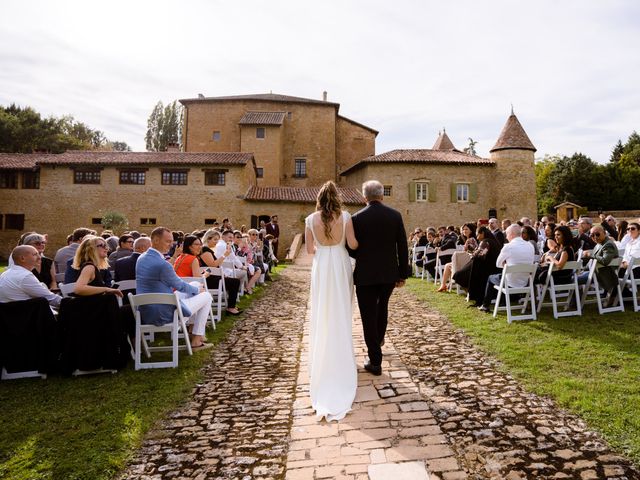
382,263
494,226
273,228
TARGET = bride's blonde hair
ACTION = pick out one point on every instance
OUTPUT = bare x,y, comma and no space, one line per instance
329,205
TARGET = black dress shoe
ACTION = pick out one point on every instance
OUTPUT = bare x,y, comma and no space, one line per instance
373,369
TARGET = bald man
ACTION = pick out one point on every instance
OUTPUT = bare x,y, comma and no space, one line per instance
19,283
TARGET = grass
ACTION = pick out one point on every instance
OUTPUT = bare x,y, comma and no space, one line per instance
589,364
87,427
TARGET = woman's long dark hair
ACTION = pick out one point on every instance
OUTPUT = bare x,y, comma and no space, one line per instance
329,205
188,241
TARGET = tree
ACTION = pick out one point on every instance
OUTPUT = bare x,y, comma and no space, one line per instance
114,221
120,147
23,130
164,126
616,152
544,169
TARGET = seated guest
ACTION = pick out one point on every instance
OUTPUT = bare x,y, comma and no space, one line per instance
67,253
473,276
187,264
91,261
529,234
550,244
468,240
208,259
584,240
506,223
155,275
447,241
45,271
516,251
125,268
632,249
565,253
255,245
494,226
604,251
125,248
19,282
609,225
238,270
242,250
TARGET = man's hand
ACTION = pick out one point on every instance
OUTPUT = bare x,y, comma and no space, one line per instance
400,283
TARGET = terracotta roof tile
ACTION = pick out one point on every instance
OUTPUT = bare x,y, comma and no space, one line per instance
443,142
443,157
262,118
20,161
268,97
145,158
513,136
350,196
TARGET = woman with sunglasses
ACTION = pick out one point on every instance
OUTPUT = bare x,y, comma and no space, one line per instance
45,270
632,248
91,261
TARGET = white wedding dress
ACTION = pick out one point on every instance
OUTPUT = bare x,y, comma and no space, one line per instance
332,366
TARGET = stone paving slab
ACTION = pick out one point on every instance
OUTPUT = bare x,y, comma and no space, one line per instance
390,433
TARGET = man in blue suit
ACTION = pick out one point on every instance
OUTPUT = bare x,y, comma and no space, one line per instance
155,275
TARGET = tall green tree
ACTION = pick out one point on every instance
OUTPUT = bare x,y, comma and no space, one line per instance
23,130
164,126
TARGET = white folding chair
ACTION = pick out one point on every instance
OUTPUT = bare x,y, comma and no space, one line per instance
203,281
236,273
66,289
561,292
59,277
124,285
418,253
219,294
631,282
425,272
592,289
440,265
505,290
177,328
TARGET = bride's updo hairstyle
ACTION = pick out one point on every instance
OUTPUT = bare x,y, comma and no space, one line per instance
329,205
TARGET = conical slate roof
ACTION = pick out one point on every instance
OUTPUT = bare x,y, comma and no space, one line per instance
443,142
513,136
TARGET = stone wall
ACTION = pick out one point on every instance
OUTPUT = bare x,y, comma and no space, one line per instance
439,210
515,184
353,143
59,205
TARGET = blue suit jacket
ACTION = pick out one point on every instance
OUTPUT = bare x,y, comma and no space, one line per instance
155,275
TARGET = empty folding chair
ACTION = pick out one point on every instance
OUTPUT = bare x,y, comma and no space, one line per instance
631,282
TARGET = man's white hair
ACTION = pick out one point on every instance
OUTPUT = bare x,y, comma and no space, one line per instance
372,190
513,231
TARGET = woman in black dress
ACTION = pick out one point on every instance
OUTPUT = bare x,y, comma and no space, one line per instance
565,253
473,276
91,261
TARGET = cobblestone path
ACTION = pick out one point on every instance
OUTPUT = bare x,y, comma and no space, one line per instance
497,428
237,423
440,411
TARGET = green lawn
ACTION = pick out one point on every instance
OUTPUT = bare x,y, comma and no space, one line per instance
87,427
589,364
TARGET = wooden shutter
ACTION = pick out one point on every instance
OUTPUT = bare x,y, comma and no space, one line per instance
453,188
432,191
473,193
412,191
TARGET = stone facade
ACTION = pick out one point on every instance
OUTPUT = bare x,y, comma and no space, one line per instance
240,135
310,130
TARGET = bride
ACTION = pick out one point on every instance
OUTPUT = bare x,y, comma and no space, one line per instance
332,366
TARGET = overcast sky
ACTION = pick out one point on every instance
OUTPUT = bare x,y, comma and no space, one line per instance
406,68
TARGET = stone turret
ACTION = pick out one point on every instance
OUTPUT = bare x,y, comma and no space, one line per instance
515,187
443,142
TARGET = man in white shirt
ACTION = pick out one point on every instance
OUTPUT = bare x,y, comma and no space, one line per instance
221,251
517,251
19,283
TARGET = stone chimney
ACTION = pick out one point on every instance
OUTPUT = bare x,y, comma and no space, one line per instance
173,147
324,96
